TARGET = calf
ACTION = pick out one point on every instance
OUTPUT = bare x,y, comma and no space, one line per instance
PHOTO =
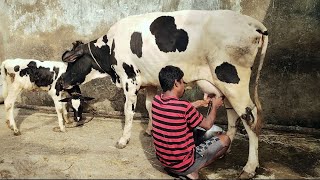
30,74
214,48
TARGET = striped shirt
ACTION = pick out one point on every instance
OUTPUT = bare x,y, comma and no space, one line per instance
173,121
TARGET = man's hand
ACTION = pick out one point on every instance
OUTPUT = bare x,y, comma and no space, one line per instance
217,102
200,103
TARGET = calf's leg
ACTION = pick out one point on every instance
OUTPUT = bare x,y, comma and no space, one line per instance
9,105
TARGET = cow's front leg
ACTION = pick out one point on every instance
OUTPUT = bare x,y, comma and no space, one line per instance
59,108
130,91
150,93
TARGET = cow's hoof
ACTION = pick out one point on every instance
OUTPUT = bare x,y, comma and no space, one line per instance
246,175
122,143
57,129
8,124
147,134
17,133
69,121
120,146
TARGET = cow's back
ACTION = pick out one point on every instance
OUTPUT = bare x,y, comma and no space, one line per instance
206,32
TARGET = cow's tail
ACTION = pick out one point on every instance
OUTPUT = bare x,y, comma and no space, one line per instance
4,82
264,45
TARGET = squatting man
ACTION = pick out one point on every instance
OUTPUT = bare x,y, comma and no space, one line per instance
173,123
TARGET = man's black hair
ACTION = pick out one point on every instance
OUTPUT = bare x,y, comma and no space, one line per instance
168,75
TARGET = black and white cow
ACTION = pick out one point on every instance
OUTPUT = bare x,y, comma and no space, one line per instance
215,49
29,74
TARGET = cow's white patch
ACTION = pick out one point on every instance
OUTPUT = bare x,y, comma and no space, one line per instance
93,75
100,43
75,103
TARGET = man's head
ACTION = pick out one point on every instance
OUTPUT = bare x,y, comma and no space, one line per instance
170,78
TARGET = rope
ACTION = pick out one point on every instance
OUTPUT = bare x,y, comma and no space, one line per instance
95,58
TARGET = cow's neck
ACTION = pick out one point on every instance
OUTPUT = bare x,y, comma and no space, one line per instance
102,59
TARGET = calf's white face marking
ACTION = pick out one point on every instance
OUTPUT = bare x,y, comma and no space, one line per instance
76,104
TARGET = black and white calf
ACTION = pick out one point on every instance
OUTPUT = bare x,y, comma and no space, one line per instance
30,74
215,49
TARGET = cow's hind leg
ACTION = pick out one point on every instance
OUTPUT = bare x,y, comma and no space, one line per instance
240,106
150,93
9,105
232,119
249,169
131,89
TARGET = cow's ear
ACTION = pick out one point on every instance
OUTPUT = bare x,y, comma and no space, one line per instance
87,98
71,56
65,99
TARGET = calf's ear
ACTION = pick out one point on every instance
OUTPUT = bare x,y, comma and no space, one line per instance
65,99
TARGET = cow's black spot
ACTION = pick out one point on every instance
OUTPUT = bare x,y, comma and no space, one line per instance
56,71
127,88
113,59
264,32
129,70
136,92
136,44
105,39
40,76
132,107
168,37
117,78
16,68
227,73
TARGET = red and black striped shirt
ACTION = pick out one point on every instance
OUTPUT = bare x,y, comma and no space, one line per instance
173,121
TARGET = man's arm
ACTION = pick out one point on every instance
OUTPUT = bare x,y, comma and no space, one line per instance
208,121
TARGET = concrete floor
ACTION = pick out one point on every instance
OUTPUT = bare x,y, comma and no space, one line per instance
89,152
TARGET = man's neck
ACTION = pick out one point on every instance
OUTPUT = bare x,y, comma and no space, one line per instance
170,94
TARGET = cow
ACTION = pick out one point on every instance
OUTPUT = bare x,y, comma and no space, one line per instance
215,49
30,74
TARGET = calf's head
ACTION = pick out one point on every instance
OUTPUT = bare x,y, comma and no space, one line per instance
77,101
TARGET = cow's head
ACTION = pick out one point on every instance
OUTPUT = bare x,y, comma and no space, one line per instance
82,60
79,65
77,101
